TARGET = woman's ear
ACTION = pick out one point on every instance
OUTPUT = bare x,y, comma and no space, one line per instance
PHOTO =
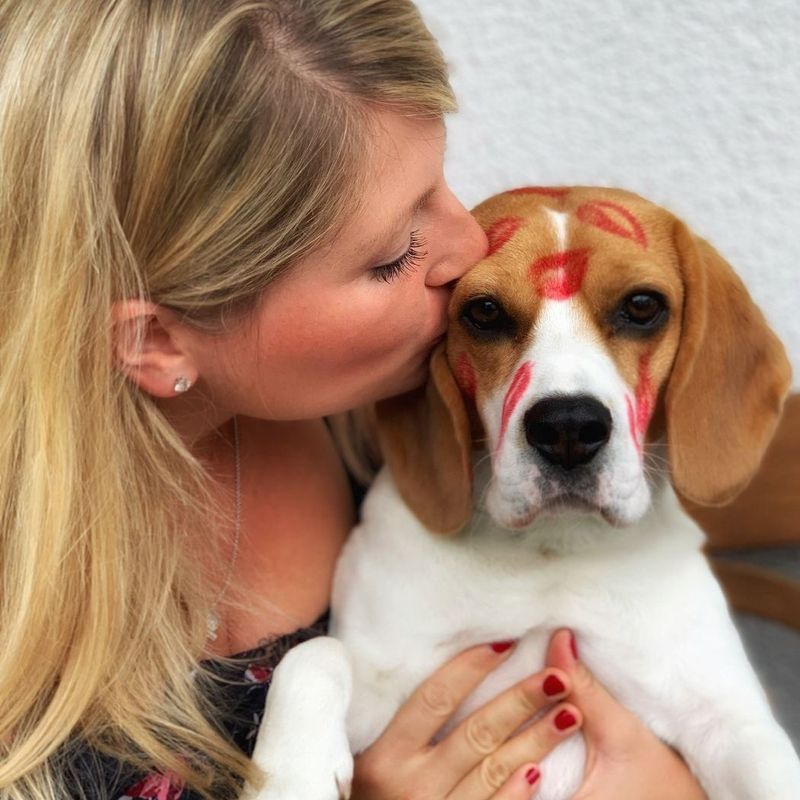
728,382
145,350
424,436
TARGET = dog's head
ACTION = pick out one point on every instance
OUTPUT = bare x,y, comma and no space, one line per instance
597,326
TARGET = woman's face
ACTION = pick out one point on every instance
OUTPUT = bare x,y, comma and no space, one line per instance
340,329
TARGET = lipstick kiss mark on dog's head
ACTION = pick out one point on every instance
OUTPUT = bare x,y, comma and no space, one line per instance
560,276
516,390
500,231
545,191
645,396
465,376
596,213
640,412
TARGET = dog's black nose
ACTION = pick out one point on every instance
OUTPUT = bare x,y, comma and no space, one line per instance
568,431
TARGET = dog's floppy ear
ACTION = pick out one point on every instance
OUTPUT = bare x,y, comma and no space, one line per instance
728,382
424,436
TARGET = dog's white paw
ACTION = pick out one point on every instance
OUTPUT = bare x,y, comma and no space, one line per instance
316,770
302,744
308,778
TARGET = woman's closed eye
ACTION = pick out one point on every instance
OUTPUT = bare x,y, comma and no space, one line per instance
406,264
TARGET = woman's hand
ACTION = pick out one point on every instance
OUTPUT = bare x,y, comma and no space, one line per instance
623,757
479,759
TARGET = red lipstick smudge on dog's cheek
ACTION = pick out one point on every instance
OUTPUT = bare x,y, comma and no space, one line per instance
645,396
518,386
500,231
632,423
560,276
596,214
465,376
639,417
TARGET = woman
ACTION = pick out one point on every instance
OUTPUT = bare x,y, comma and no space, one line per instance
223,221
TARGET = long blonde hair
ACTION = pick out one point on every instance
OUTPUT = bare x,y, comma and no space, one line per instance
186,153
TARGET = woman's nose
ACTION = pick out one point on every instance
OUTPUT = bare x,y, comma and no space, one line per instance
468,245
479,244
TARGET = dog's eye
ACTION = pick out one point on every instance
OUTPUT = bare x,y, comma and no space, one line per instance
485,315
484,312
642,311
642,308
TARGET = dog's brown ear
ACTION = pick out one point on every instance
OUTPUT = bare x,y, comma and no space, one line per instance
728,382
424,436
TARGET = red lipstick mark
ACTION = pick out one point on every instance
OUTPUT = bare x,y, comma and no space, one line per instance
594,213
645,395
465,376
632,423
547,191
639,417
518,386
560,276
500,232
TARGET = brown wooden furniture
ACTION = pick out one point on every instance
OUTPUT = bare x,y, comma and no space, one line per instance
766,514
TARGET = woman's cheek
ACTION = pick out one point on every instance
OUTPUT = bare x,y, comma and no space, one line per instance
398,314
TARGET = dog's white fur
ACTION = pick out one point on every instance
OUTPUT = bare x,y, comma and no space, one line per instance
630,580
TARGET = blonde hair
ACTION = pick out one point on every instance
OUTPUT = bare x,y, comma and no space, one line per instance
186,153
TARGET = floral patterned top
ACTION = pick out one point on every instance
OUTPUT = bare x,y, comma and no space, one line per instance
240,704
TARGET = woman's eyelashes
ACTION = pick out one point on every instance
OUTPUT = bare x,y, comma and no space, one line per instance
407,262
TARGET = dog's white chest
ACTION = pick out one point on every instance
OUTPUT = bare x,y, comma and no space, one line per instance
651,621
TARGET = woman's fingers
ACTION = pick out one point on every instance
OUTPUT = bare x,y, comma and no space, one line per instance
623,757
478,738
435,700
606,722
521,785
493,773
484,755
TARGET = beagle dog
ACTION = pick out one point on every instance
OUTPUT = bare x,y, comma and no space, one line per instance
600,360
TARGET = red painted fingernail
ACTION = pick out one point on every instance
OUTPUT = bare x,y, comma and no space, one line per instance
552,686
564,719
501,647
532,775
573,645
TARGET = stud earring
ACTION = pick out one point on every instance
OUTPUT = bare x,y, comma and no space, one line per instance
182,384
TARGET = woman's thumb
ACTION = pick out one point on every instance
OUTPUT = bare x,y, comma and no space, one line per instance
604,719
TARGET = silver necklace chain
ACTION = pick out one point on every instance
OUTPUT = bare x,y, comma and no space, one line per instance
213,617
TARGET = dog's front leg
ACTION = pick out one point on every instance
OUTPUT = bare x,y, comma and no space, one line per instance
302,742
741,758
721,721
742,755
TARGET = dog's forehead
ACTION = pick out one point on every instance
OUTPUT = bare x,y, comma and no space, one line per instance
554,243
560,261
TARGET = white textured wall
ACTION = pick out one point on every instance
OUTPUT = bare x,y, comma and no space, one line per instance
694,105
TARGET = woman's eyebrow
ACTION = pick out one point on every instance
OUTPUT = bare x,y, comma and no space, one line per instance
400,219
368,252
419,203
